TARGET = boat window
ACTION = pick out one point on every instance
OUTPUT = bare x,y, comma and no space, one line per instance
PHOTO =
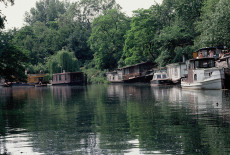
65,77
204,64
164,76
228,62
158,76
195,77
59,77
175,72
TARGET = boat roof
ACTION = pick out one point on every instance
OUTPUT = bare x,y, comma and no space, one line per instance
205,58
210,48
68,73
141,63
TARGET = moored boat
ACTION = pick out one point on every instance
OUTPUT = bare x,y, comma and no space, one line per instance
69,78
202,74
160,78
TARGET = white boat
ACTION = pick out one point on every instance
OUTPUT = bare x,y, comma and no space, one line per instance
202,74
160,78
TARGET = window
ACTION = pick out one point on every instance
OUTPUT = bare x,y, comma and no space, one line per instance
204,64
158,76
175,71
164,76
65,77
195,77
60,77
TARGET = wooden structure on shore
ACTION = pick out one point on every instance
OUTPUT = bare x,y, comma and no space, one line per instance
35,78
69,78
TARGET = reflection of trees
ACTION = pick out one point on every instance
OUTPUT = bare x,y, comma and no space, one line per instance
104,119
11,101
8,118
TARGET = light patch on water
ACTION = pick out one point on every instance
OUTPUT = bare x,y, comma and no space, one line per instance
15,144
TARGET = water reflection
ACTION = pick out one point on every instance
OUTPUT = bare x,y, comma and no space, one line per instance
199,101
114,119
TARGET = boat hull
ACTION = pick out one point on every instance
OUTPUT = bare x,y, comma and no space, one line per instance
161,82
206,84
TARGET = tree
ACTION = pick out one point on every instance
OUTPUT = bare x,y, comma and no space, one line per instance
63,60
107,38
12,59
2,17
214,27
46,11
88,10
139,40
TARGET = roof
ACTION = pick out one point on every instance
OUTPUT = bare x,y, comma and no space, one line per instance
141,63
175,64
36,75
211,48
68,73
205,58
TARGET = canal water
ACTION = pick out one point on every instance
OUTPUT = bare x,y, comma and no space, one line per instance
114,119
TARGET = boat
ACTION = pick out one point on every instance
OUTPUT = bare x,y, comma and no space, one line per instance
69,78
40,85
160,78
202,74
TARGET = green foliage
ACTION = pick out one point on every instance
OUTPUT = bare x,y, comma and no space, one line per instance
99,36
139,43
12,60
46,11
94,75
107,38
214,27
2,17
63,60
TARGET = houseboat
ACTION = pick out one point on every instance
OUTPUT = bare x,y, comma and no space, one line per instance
141,72
115,76
202,74
224,64
176,71
160,78
69,78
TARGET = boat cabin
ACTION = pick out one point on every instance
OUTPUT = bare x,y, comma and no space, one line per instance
211,52
158,76
201,69
202,63
69,78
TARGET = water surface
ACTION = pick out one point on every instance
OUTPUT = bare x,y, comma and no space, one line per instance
114,119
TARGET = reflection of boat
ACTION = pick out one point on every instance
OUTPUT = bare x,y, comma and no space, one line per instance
200,101
160,78
202,74
40,85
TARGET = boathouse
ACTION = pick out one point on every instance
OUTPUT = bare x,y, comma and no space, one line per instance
141,72
115,76
176,71
35,78
69,78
